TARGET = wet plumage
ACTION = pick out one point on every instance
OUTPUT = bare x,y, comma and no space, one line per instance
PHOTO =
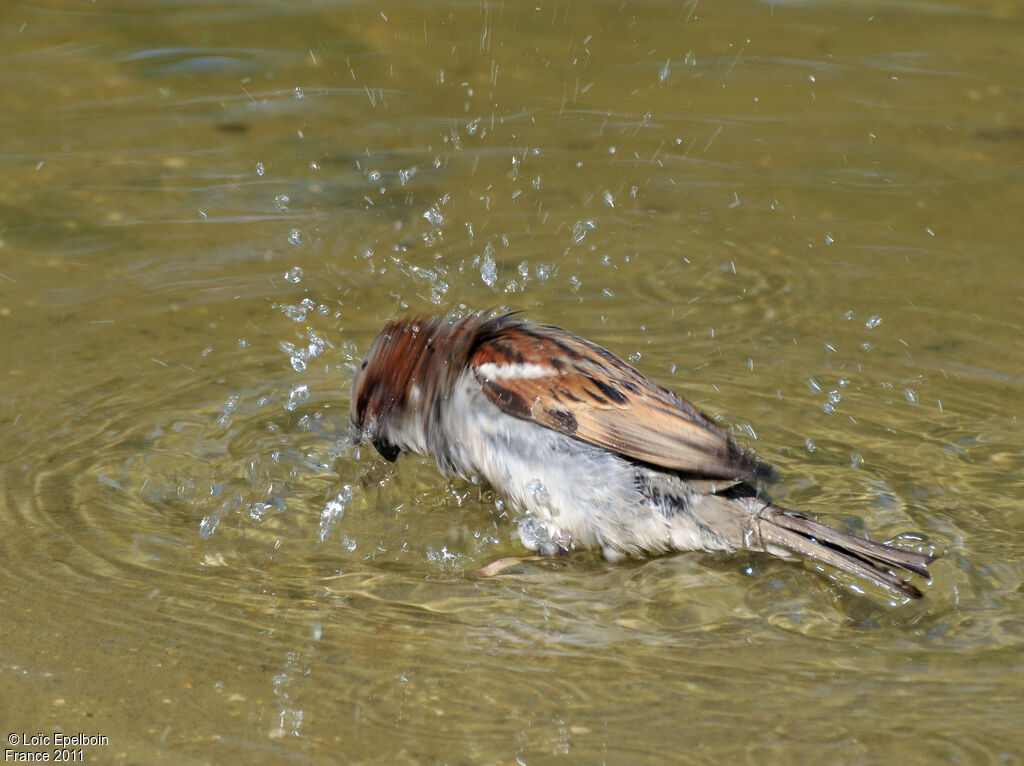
596,453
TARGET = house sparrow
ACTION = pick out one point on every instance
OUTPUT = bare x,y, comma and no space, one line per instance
596,454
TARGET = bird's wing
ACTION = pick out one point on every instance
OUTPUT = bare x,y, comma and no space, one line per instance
563,382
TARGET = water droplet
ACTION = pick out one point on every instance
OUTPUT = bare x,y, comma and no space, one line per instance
333,511
294,237
437,291
873,322
809,444
910,394
580,229
434,217
815,385
294,275
834,397
260,170
296,396
827,408
209,523
299,95
609,200
536,488
665,71
258,512
317,343
488,268
405,175
532,532
373,176
208,526
635,357
281,202
543,272
232,403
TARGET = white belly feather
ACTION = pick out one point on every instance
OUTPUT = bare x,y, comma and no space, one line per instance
578,493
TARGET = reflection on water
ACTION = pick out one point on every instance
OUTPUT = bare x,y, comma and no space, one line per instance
794,214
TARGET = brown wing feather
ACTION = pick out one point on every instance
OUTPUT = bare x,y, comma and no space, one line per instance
563,382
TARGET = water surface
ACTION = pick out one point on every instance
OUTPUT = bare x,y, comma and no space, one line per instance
803,216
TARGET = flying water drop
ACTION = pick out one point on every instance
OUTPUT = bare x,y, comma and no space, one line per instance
488,268
296,396
333,511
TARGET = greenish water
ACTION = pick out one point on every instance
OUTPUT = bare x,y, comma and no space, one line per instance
802,216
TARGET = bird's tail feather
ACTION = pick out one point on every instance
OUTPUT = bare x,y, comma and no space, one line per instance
858,556
749,522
